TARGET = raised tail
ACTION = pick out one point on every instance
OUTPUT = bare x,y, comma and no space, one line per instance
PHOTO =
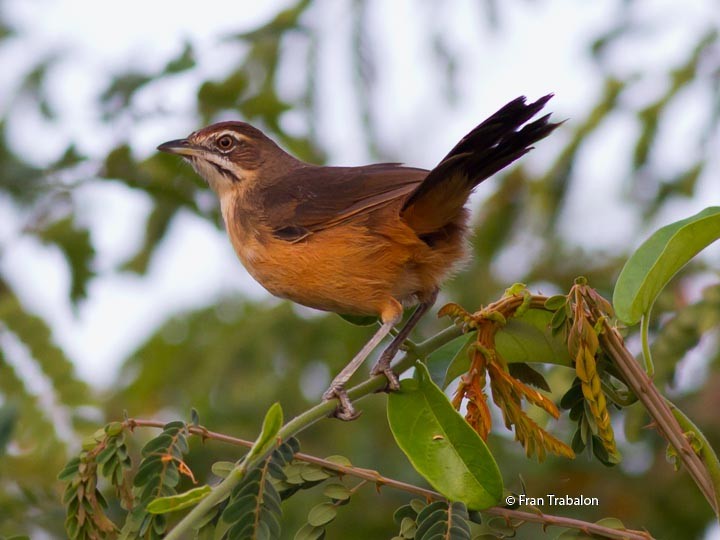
490,147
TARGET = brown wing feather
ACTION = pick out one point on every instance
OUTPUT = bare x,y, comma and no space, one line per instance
310,199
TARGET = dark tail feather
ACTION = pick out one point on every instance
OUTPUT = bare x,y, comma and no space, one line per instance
490,147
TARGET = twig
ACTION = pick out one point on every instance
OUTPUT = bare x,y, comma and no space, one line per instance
664,420
369,475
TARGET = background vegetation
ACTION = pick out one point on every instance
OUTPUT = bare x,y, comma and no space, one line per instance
235,356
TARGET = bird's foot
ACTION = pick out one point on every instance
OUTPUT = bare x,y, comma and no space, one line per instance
383,368
345,410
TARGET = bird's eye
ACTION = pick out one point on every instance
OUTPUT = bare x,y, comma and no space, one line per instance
225,142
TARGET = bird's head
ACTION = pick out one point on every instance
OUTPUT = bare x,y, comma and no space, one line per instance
230,155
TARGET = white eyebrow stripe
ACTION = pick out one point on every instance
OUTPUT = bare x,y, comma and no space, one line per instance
234,134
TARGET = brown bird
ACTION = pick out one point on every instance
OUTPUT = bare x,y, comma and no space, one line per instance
364,240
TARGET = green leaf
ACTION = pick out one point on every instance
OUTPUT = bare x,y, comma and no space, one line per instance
441,445
460,361
339,460
338,492
314,474
528,375
222,468
529,338
658,259
322,514
271,426
609,522
163,505
308,532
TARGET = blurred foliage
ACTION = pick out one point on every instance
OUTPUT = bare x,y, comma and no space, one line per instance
234,357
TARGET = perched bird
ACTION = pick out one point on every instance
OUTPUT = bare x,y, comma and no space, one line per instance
366,240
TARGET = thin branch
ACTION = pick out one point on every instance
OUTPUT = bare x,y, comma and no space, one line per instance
370,475
664,420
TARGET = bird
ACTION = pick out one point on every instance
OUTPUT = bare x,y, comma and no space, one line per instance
366,240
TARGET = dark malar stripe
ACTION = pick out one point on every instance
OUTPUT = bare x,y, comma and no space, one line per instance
225,172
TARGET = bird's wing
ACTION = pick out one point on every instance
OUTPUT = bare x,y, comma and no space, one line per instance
311,199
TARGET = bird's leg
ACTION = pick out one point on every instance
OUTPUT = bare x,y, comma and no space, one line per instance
345,410
383,364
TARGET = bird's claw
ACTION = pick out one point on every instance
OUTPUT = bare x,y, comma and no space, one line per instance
345,410
382,368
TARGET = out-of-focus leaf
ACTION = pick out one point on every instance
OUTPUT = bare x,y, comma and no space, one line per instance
574,534
119,93
680,77
17,177
658,259
35,334
70,158
155,229
501,212
284,21
170,183
8,420
266,105
183,62
76,246
162,176
34,85
441,445
681,185
554,184
683,332
214,97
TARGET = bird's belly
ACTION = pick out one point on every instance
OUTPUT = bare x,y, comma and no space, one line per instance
323,273
345,269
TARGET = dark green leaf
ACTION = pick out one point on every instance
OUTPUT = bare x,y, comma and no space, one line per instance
441,445
527,374
159,444
406,511
238,508
460,362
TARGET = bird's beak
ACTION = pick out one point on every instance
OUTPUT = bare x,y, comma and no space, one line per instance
181,147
